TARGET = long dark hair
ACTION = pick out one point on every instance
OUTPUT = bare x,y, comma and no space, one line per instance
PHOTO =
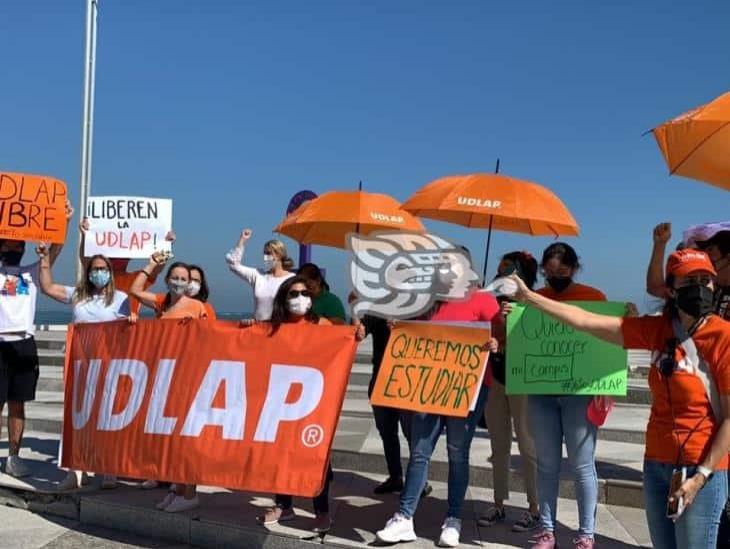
562,252
526,266
176,265
280,312
310,271
204,292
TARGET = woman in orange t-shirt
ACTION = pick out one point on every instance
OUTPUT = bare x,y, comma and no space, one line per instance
172,305
688,430
293,304
198,289
553,418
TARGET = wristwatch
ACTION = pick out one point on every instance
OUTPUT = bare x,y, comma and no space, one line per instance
705,472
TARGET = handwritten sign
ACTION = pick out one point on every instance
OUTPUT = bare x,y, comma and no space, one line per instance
432,367
32,207
127,226
546,357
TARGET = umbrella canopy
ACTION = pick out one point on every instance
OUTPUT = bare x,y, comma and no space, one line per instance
493,201
329,218
696,144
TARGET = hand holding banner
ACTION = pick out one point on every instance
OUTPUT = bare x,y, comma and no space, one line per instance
546,357
206,402
32,207
127,226
432,367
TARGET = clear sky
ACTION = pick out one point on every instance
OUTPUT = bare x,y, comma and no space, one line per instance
230,107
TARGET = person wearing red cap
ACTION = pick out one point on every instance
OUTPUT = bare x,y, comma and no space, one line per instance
688,434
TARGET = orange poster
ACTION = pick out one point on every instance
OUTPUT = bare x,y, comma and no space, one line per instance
431,367
32,207
206,402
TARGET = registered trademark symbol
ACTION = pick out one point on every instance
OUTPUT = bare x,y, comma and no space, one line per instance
312,436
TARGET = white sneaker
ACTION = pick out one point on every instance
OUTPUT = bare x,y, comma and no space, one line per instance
397,529
450,532
149,485
165,503
180,504
15,467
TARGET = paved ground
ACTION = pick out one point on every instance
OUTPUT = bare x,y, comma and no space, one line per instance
25,530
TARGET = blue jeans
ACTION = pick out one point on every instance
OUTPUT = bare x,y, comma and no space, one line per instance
387,421
425,432
697,527
552,418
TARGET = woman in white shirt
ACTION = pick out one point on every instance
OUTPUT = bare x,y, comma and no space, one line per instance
265,283
94,299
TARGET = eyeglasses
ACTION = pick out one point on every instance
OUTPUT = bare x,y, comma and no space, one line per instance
668,364
293,294
98,269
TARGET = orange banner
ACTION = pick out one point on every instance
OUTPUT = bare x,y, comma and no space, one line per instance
206,402
431,367
32,207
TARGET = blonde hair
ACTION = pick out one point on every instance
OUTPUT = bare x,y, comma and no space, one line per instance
278,248
85,290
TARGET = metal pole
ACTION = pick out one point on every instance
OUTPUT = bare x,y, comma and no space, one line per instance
87,122
489,239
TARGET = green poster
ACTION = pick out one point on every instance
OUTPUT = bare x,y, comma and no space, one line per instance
546,357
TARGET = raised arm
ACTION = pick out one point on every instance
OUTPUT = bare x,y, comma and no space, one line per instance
603,327
55,291
655,271
151,270
235,256
55,250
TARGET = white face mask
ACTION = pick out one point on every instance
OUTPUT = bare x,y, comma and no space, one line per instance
269,262
177,287
193,288
300,305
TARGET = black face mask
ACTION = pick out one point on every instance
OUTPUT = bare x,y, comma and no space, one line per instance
559,283
11,258
695,300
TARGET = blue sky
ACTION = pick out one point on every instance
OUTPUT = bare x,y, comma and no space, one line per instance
230,107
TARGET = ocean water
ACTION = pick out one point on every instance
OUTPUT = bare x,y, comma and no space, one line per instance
56,316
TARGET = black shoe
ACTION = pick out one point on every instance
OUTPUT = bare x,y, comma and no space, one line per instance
389,486
426,491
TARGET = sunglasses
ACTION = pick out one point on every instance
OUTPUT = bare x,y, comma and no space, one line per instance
293,294
668,364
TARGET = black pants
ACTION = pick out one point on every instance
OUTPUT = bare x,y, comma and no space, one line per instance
18,370
387,421
321,502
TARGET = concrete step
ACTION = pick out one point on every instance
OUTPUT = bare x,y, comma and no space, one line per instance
52,340
51,357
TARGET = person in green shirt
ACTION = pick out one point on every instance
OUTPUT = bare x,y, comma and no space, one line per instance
324,303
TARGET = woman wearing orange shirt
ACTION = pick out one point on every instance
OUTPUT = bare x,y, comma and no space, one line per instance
557,417
172,305
198,289
292,304
688,435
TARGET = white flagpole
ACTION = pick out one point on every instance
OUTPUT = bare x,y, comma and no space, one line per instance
87,123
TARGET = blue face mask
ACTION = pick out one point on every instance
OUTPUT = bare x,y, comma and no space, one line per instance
99,278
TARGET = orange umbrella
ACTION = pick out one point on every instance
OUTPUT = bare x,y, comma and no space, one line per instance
493,201
696,144
329,218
